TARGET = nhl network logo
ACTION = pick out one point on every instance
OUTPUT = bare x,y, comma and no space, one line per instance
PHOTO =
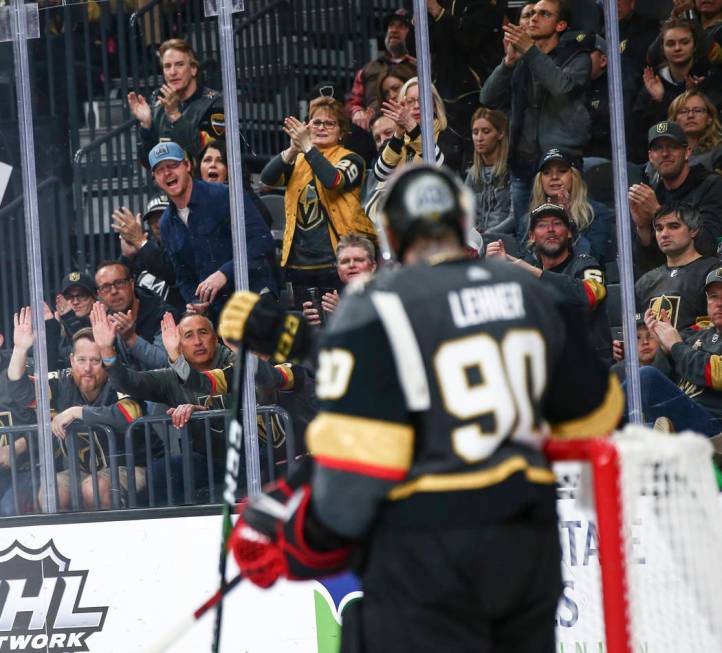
40,602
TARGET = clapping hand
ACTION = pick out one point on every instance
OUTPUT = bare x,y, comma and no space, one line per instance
140,109
23,333
104,329
171,337
400,114
653,84
518,38
299,133
128,226
169,99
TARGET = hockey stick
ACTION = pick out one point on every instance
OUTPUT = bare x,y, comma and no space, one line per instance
233,461
172,636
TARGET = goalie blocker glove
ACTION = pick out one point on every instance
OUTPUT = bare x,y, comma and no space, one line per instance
276,535
259,322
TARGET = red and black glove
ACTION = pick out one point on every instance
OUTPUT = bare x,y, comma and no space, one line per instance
276,535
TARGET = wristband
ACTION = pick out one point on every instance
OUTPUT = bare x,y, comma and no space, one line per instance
111,360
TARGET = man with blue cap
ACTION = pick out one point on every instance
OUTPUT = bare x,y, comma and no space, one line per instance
196,230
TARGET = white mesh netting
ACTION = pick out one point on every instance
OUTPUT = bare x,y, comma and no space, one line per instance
673,537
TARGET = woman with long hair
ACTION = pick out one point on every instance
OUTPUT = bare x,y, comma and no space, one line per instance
560,182
322,199
684,65
694,112
488,177
405,145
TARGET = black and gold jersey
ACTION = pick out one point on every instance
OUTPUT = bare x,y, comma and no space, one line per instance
438,386
679,291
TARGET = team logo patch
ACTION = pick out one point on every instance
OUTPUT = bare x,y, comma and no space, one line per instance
218,123
41,601
74,276
663,127
667,303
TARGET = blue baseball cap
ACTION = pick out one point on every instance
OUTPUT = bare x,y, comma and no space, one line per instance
165,151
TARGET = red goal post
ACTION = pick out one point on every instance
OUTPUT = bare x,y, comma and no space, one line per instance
670,598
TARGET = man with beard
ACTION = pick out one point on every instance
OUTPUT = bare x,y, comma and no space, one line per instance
136,313
578,278
81,392
678,182
363,101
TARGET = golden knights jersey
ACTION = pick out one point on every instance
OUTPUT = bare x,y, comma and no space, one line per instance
677,290
438,385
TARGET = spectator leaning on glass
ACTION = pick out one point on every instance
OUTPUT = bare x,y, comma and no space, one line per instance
355,258
678,182
488,177
81,392
181,110
699,119
322,200
560,182
196,230
136,313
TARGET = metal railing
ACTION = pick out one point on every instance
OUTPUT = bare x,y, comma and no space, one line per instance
190,454
186,470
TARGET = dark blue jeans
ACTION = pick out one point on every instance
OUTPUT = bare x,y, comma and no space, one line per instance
663,398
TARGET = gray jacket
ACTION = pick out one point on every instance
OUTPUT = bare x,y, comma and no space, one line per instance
549,89
493,203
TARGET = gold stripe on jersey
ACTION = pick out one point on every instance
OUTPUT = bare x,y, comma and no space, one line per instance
601,421
473,480
130,409
361,442
714,372
219,385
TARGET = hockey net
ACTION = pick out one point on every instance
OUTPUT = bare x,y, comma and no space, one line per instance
658,516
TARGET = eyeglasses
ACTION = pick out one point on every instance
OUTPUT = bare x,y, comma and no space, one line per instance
118,284
695,110
77,296
326,124
542,13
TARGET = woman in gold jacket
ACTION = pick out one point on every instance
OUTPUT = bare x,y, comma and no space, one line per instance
322,201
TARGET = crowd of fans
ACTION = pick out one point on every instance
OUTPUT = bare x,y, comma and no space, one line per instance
521,114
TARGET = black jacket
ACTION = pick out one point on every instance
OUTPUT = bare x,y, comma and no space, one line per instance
703,190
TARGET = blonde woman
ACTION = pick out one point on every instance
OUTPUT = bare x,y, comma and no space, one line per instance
405,145
322,199
560,182
488,177
698,117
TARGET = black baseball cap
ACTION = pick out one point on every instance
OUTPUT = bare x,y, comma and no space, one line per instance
715,276
400,14
666,129
77,280
545,210
156,204
555,154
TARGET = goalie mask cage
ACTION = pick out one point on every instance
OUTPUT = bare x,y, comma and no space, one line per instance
659,524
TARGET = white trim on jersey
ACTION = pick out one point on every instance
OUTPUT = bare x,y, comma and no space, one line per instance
407,355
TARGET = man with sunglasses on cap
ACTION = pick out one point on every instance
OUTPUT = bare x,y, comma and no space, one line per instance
73,305
669,155
143,252
577,277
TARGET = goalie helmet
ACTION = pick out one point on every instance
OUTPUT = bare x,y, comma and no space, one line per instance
424,201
